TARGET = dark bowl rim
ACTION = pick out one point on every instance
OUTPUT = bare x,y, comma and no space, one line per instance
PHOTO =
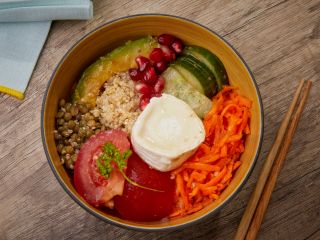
184,225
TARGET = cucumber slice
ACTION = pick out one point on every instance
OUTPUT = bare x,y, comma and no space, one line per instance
197,74
211,61
190,74
178,86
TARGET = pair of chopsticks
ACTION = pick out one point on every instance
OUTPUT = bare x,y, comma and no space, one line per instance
258,203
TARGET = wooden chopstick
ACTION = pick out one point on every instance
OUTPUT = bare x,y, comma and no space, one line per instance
277,165
252,204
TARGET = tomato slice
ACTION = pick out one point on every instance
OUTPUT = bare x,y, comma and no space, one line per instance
140,204
94,188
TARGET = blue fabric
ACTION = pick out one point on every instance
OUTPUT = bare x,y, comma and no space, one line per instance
45,10
24,26
20,46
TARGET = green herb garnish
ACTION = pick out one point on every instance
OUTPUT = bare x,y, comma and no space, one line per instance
110,157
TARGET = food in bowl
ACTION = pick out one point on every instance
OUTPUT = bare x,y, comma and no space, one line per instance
153,131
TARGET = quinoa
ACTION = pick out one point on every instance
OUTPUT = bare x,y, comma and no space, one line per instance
118,105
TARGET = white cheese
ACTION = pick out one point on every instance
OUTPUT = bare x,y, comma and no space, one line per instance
167,133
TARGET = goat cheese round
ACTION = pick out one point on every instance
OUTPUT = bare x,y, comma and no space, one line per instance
167,133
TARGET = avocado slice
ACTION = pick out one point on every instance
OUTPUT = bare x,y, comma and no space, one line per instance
118,60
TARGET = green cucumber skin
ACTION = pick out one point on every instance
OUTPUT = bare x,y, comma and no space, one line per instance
178,86
209,76
212,62
203,75
192,73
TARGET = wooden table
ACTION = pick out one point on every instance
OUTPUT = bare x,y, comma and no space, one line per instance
280,41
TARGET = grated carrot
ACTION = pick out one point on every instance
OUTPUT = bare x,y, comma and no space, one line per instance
236,165
181,191
198,177
201,166
202,178
185,176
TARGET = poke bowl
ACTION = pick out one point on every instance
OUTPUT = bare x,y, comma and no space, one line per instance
152,122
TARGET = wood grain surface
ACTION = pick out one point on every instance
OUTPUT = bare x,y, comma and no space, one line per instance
280,41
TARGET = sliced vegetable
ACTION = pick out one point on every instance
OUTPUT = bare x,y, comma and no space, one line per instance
88,181
140,204
201,179
111,159
119,60
211,61
197,74
178,86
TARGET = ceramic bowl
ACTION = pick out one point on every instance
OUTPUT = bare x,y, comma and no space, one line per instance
107,37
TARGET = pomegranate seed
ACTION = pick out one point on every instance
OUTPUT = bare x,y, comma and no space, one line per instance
177,46
135,74
156,55
160,66
142,62
168,53
150,76
166,39
144,101
143,89
159,86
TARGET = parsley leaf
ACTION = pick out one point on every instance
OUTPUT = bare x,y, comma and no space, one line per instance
110,157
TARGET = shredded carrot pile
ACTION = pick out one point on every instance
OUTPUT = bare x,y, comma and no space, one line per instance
201,179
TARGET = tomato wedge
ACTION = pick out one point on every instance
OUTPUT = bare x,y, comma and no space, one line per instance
140,204
94,188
